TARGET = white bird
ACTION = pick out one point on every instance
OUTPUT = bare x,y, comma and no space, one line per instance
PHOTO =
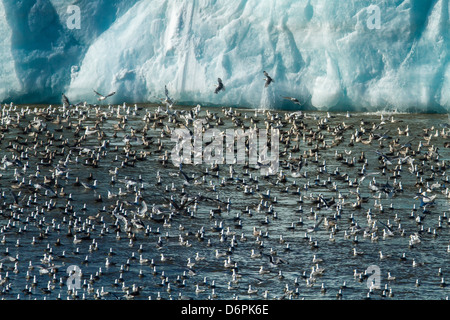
198,257
263,271
294,100
190,264
102,97
316,260
255,255
198,290
383,256
65,100
415,239
142,210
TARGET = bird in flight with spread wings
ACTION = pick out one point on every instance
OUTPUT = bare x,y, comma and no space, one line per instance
294,100
65,101
102,97
268,79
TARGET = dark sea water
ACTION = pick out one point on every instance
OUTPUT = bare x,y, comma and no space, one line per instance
46,216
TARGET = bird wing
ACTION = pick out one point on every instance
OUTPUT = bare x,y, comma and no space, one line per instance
99,94
318,223
185,176
385,225
143,209
65,99
173,203
111,94
121,218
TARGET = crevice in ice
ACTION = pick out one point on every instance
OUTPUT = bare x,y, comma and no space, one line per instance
308,11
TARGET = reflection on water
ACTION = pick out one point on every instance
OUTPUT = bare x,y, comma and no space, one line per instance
36,217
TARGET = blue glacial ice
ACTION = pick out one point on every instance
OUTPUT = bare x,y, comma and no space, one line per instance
331,55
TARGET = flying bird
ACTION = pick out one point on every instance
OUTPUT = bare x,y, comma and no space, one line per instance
274,261
168,100
268,79
65,101
316,226
220,86
102,97
294,100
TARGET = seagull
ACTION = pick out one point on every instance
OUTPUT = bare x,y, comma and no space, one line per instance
168,100
357,253
220,86
268,79
274,261
187,179
65,101
414,238
89,132
294,100
143,209
316,226
102,97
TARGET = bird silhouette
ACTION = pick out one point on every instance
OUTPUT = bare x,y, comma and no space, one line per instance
65,100
268,79
220,86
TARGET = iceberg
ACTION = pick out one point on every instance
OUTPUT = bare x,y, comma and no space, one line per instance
331,55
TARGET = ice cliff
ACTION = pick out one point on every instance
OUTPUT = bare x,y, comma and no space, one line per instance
330,54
